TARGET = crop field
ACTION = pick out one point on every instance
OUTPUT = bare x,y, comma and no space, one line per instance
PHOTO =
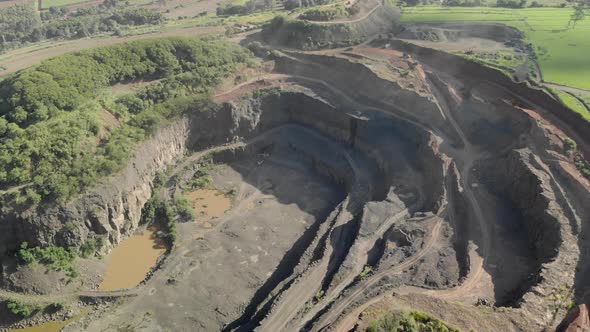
59,3
562,48
573,103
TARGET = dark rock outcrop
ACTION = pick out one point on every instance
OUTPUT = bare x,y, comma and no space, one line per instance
577,320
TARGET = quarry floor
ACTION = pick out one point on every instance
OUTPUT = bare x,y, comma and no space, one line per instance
218,265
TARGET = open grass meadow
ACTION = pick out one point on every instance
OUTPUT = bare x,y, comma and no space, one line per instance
563,49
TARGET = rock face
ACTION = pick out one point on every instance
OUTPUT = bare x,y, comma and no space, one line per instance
520,177
577,320
113,208
289,32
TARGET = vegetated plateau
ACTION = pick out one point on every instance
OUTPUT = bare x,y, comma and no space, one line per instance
339,166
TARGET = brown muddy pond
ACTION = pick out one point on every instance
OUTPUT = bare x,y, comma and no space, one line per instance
209,204
129,263
53,326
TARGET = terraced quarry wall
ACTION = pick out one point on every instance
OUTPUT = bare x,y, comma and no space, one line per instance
307,35
355,173
534,96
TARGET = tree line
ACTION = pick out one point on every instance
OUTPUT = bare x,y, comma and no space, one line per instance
20,23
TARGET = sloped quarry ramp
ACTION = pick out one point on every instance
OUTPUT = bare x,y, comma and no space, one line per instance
368,172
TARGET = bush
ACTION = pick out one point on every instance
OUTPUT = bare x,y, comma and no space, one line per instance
184,210
324,14
569,144
582,165
55,258
511,3
170,223
415,321
292,4
155,210
19,309
89,248
247,8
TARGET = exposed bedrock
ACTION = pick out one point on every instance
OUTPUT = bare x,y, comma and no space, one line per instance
389,161
579,197
113,208
487,121
308,35
528,189
458,217
571,122
347,76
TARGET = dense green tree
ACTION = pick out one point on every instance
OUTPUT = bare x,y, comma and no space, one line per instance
581,10
20,24
52,139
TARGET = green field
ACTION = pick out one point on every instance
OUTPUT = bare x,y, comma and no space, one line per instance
59,3
573,103
563,52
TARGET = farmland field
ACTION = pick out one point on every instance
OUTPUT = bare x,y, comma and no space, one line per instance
573,103
562,49
59,3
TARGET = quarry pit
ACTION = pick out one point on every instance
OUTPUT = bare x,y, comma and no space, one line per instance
350,184
357,178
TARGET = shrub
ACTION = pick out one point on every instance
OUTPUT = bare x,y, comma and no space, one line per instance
569,144
183,209
69,227
324,14
170,223
55,258
162,212
89,248
19,309
414,321
25,254
367,270
55,307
